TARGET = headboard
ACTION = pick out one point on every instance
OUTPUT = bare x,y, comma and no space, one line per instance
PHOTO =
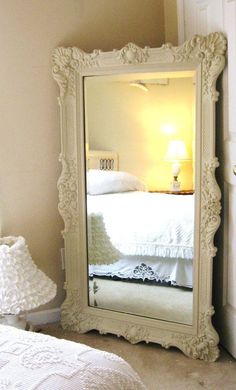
102,159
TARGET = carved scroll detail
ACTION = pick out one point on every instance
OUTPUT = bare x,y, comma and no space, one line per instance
67,61
203,346
73,316
70,310
67,187
134,333
132,54
211,207
209,51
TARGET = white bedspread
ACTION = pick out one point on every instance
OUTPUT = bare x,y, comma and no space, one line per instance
30,361
139,224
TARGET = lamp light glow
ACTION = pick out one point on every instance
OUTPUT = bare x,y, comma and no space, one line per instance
176,153
168,128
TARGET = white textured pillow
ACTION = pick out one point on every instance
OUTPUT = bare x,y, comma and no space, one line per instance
105,182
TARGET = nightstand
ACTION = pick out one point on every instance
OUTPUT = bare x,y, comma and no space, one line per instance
181,192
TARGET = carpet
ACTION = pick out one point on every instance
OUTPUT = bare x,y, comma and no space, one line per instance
154,301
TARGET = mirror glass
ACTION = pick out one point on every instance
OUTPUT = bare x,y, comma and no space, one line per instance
140,170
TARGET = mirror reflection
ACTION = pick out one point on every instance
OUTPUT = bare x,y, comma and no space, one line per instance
140,143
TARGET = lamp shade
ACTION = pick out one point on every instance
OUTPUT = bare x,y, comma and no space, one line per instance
22,285
176,151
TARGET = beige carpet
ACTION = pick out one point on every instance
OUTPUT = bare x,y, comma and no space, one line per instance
161,369
154,301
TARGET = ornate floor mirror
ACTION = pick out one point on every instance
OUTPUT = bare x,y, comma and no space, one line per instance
137,191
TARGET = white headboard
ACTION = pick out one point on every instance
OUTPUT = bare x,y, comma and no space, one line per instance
102,159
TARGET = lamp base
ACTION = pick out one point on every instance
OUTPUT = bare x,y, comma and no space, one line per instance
15,320
175,186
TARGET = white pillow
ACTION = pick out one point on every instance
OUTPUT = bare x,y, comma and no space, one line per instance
105,182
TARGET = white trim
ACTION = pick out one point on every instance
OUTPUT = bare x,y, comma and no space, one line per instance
44,316
226,323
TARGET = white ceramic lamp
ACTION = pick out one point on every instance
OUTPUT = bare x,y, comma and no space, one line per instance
176,153
23,286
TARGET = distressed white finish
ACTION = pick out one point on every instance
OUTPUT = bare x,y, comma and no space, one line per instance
205,55
220,15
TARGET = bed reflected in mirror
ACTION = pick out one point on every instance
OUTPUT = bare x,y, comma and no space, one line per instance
140,159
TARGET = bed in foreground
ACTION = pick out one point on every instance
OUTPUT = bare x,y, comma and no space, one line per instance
30,361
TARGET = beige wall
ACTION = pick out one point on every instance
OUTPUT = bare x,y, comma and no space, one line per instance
29,114
171,25
132,122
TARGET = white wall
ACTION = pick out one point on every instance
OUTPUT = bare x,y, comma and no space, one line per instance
29,114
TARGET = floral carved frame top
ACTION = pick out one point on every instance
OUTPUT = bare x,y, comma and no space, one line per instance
205,55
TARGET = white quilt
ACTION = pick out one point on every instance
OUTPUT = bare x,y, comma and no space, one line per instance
139,223
32,361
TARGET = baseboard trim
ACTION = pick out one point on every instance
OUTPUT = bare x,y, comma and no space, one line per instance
44,316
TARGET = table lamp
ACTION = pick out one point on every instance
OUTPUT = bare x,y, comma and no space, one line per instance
176,152
23,286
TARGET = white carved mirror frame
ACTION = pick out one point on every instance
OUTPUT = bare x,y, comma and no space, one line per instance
205,55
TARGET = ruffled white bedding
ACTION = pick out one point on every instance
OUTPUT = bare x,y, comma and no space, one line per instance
176,272
30,361
139,223
141,235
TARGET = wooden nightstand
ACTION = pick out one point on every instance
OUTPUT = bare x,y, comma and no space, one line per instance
181,192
